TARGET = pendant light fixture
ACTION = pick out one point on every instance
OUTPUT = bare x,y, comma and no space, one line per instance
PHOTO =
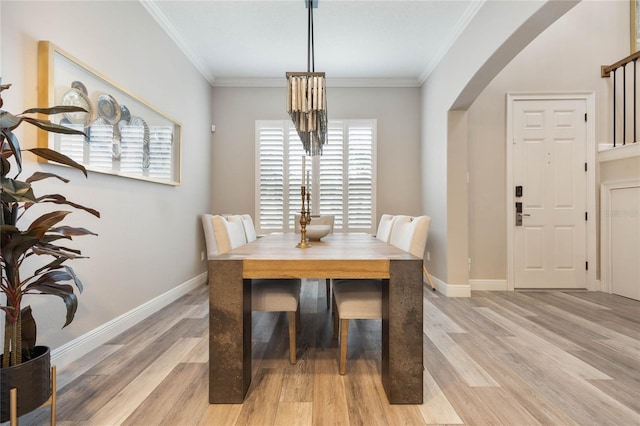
306,97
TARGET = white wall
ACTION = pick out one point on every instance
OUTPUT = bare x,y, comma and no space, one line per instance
566,57
233,152
495,35
150,237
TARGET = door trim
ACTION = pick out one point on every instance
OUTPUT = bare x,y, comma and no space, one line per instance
589,98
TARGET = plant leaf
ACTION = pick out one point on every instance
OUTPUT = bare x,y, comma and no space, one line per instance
54,264
5,166
29,332
51,155
56,251
53,127
71,231
59,199
42,175
16,191
9,121
42,224
18,245
64,291
14,145
55,110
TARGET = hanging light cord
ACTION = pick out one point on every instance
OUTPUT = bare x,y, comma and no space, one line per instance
311,55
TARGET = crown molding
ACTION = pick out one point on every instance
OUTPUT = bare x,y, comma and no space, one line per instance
161,19
331,82
464,21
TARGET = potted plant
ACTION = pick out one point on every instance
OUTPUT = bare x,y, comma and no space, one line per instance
19,242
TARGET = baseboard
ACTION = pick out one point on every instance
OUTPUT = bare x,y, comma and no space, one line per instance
451,290
488,285
82,345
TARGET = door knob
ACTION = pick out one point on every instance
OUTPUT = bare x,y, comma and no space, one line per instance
519,218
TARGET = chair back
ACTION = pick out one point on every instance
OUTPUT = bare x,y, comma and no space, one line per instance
249,227
209,235
384,227
325,219
410,234
229,232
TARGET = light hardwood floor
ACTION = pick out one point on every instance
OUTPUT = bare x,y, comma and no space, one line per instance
523,358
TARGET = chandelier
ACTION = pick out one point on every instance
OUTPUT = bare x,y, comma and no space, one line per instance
306,98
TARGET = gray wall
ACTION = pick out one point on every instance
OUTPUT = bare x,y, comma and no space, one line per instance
489,42
566,57
150,237
397,111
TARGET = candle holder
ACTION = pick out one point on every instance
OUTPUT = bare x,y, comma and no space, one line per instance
305,218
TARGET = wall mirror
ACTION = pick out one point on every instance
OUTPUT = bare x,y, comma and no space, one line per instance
126,136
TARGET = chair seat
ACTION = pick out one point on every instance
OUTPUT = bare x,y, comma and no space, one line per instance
358,299
275,295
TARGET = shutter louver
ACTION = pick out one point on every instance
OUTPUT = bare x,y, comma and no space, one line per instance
73,145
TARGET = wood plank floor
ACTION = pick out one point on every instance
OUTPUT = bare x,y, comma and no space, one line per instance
500,358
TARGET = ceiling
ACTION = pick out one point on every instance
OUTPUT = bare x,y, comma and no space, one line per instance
383,43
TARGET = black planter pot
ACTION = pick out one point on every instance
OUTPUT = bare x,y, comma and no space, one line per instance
32,379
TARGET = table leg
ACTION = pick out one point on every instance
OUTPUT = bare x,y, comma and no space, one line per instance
402,332
229,332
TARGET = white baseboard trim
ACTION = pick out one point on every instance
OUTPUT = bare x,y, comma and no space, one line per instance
451,290
489,285
82,345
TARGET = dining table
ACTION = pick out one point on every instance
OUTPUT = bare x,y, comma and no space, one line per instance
336,256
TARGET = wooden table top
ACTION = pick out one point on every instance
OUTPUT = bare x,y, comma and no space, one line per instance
339,255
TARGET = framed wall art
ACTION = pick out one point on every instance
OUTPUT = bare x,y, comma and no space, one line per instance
126,136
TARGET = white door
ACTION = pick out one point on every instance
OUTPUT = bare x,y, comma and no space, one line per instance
625,241
549,165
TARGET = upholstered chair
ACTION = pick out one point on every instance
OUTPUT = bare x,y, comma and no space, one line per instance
249,227
384,227
398,239
362,299
209,236
270,295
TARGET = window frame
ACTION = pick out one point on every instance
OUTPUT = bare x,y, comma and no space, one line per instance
313,164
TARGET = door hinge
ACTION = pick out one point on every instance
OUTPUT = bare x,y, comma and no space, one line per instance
586,215
585,167
585,117
586,265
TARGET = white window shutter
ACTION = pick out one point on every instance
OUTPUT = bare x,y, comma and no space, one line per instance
271,176
332,193
360,177
345,174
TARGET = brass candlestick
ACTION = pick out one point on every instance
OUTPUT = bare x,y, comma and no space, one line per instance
305,218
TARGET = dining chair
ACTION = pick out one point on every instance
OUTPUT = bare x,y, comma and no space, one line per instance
383,233
362,298
249,227
326,219
209,236
418,247
267,295
384,227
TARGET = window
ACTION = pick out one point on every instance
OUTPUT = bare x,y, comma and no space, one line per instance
344,174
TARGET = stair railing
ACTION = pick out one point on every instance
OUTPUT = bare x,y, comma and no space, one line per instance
620,67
